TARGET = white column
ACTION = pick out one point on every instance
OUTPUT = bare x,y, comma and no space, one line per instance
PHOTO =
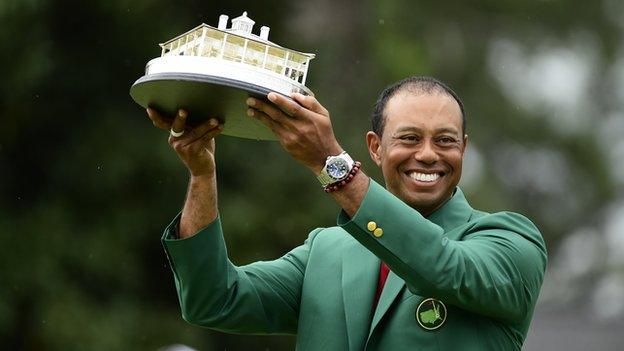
179,45
223,45
285,62
244,50
305,71
202,42
266,54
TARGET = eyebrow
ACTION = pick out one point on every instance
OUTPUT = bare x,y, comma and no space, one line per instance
416,129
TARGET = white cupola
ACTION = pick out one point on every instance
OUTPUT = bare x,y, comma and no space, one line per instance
242,24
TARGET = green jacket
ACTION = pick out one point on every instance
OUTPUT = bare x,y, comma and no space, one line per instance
484,272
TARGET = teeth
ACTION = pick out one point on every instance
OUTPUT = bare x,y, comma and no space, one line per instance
424,177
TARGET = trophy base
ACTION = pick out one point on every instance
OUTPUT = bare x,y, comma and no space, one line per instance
205,88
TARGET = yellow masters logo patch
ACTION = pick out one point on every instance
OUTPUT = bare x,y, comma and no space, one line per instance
431,314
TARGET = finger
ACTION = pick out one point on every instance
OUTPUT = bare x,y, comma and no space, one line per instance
205,140
288,105
195,133
212,133
275,127
179,121
200,131
270,110
158,120
311,103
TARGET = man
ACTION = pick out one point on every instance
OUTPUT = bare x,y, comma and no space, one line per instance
458,278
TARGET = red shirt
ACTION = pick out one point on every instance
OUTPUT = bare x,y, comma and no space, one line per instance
383,275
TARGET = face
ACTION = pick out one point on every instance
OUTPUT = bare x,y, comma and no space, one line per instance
421,150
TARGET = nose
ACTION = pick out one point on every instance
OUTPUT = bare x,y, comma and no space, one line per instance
426,153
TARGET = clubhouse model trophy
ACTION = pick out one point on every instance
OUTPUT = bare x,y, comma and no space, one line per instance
207,68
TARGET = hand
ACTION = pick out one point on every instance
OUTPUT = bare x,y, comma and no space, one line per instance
196,146
302,126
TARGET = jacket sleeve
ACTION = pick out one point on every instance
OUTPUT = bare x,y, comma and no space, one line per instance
496,269
259,298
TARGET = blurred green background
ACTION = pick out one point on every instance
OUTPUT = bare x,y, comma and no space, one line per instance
87,184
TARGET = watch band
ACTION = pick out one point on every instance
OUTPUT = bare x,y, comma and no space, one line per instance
325,178
338,185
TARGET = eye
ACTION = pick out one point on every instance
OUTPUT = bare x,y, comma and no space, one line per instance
410,138
445,140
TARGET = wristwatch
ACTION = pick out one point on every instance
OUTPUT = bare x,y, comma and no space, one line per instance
336,169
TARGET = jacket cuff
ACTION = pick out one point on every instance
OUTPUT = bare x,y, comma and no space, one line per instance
190,252
372,210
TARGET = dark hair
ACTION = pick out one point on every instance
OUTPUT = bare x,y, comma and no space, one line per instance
415,84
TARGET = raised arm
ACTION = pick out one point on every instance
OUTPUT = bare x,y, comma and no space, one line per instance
491,264
262,297
304,129
195,147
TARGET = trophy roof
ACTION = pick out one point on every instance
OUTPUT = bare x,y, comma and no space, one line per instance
243,18
242,27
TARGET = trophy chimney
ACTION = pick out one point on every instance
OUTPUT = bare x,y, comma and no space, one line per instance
223,20
264,32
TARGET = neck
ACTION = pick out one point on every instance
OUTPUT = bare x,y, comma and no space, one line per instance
426,212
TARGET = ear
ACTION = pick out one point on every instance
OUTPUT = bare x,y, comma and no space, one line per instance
465,144
373,141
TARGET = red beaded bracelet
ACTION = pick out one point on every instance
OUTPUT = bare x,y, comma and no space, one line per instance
337,185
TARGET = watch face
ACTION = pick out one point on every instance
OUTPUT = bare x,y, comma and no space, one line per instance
338,168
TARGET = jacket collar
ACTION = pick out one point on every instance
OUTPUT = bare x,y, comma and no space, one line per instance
455,212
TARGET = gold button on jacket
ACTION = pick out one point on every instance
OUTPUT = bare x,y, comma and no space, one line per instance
371,226
378,232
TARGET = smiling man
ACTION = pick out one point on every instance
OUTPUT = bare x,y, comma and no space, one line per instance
409,266
424,141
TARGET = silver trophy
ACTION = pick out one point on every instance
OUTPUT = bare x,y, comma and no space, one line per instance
204,68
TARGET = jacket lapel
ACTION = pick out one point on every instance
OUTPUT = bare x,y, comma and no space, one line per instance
360,271
391,290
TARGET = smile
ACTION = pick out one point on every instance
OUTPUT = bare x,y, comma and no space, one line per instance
424,177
